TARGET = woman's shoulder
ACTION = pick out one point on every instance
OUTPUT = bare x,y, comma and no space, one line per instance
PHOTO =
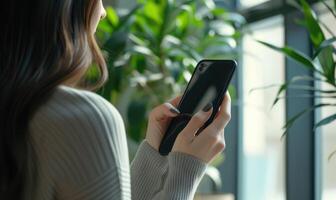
74,97
81,134
76,108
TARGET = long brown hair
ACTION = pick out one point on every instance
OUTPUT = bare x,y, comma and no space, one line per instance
42,44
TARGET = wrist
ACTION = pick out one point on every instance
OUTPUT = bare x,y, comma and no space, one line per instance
151,156
152,144
184,174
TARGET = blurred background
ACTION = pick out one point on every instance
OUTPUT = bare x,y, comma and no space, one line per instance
282,135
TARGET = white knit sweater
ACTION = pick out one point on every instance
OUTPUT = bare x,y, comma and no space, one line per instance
81,154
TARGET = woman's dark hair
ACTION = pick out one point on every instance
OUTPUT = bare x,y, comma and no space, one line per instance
43,43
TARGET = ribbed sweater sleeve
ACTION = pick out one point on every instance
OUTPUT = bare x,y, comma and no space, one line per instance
81,151
157,177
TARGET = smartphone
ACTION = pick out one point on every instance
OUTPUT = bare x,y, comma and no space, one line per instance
208,83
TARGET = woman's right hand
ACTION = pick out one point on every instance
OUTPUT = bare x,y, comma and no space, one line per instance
210,141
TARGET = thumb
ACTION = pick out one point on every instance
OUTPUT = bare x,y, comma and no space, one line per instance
197,121
164,111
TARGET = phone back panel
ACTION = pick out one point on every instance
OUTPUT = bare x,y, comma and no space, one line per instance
209,83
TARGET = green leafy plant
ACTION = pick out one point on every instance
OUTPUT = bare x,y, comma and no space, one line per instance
322,63
152,50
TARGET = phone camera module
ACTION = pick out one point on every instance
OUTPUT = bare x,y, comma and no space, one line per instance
202,67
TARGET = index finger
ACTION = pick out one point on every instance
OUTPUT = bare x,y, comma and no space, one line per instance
224,114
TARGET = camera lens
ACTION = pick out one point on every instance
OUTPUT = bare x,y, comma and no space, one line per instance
202,67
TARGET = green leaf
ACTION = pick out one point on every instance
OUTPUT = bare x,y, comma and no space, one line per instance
323,45
295,87
325,121
304,87
233,17
116,44
168,21
92,73
104,26
222,28
334,152
282,88
294,54
293,80
218,11
316,34
212,41
326,60
315,31
145,51
182,20
142,50
309,96
142,29
112,16
125,20
293,119
306,78
137,40
153,11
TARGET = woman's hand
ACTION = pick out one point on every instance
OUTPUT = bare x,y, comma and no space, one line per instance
204,146
159,119
210,141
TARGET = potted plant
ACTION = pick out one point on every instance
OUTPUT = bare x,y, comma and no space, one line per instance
322,63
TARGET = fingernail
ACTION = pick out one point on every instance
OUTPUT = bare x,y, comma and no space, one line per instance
207,107
174,110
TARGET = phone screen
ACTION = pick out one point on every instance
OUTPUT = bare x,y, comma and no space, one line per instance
208,83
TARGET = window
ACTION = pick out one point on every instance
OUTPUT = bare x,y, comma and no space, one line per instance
263,149
327,132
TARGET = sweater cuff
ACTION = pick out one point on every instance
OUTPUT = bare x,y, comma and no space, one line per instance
186,165
147,155
148,170
185,174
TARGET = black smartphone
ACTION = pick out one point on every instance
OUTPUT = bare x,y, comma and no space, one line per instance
208,84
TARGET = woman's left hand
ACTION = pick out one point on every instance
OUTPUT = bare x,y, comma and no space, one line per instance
159,119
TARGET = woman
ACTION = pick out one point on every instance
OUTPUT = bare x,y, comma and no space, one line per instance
62,142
